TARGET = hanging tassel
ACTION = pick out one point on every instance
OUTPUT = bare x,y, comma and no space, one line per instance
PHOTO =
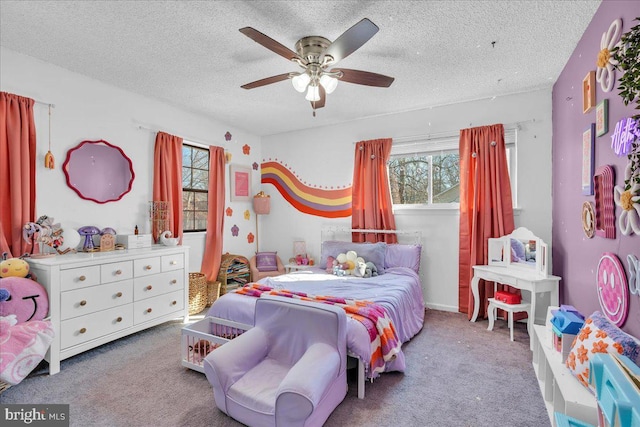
49,160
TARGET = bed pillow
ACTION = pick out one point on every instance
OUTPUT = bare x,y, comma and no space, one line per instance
373,252
599,335
266,261
398,255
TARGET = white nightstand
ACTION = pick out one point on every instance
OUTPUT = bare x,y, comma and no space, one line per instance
288,268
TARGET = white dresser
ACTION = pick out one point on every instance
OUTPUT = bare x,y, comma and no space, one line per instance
95,298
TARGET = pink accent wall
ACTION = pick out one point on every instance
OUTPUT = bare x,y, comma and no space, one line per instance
575,256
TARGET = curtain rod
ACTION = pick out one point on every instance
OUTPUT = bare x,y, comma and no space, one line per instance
44,103
435,135
191,140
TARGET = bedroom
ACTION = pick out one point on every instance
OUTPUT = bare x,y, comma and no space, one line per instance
89,109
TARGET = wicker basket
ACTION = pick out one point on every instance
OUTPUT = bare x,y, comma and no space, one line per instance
197,292
213,291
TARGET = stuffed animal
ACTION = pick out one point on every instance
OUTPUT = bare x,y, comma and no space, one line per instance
371,270
24,335
13,267
25,298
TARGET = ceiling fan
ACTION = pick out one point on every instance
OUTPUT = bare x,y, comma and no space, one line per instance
315,54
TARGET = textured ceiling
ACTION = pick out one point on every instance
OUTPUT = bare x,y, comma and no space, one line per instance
191,54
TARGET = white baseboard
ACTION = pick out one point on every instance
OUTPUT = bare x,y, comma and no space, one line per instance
442,307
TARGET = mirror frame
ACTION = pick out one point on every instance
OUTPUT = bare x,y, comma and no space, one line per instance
499,251
65,168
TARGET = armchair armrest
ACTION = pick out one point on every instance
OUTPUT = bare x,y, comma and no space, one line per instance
223,366
304,385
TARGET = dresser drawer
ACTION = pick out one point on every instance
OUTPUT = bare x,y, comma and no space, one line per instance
81,329
81,277
151,308
172,262
496,277
151,286
84,301
146,266
116,271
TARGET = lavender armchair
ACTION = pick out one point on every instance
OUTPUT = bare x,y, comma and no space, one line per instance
288,370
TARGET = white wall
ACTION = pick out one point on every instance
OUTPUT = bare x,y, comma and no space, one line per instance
86,109
324,157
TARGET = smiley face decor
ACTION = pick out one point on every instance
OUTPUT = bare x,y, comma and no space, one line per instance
613,292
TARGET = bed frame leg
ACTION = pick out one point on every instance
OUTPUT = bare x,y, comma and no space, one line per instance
361,379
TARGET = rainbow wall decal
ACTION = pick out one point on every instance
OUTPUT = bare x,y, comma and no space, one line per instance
328,203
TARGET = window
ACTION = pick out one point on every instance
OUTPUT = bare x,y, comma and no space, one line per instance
427,171
195,187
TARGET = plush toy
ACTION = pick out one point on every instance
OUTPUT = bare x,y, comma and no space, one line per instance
371,270
24,335
25,298
13,267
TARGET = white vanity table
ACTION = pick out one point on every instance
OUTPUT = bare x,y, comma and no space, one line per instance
527,273
95,298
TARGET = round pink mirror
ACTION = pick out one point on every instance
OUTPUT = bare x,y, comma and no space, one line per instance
98,171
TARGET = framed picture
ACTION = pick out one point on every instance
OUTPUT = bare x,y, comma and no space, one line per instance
602,118
589,92
588,166
240,179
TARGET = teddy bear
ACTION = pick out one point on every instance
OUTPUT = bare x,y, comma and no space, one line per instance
370,269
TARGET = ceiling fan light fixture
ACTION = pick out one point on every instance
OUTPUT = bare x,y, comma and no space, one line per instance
300,82
313,94
328,83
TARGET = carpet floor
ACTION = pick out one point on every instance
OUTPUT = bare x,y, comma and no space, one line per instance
458,374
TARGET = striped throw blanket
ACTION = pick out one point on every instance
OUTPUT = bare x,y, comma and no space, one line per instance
385,344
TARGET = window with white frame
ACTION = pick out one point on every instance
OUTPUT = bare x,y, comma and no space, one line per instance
425,171
195,187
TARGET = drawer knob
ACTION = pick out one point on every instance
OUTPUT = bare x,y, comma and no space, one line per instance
149,287
174,281
83,330
82,278
149,310
83,303
119,294
119,319
147,267
173,262
174,302
118,272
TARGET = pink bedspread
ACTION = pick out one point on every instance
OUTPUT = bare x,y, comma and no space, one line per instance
384,340
399,291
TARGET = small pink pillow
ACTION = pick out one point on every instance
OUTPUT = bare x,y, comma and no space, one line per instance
266,261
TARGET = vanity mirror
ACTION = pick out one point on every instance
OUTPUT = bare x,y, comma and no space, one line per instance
520,249
98,171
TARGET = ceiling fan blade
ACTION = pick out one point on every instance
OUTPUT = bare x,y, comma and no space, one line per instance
364,77
351,40
323,97
269,43
266,81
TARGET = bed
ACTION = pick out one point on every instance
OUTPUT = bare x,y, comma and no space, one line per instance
397,288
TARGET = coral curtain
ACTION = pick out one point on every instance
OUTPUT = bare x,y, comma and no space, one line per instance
17,171
215,218
167,180
372,207
486,209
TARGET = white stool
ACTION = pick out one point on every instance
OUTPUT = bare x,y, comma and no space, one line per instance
510,308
